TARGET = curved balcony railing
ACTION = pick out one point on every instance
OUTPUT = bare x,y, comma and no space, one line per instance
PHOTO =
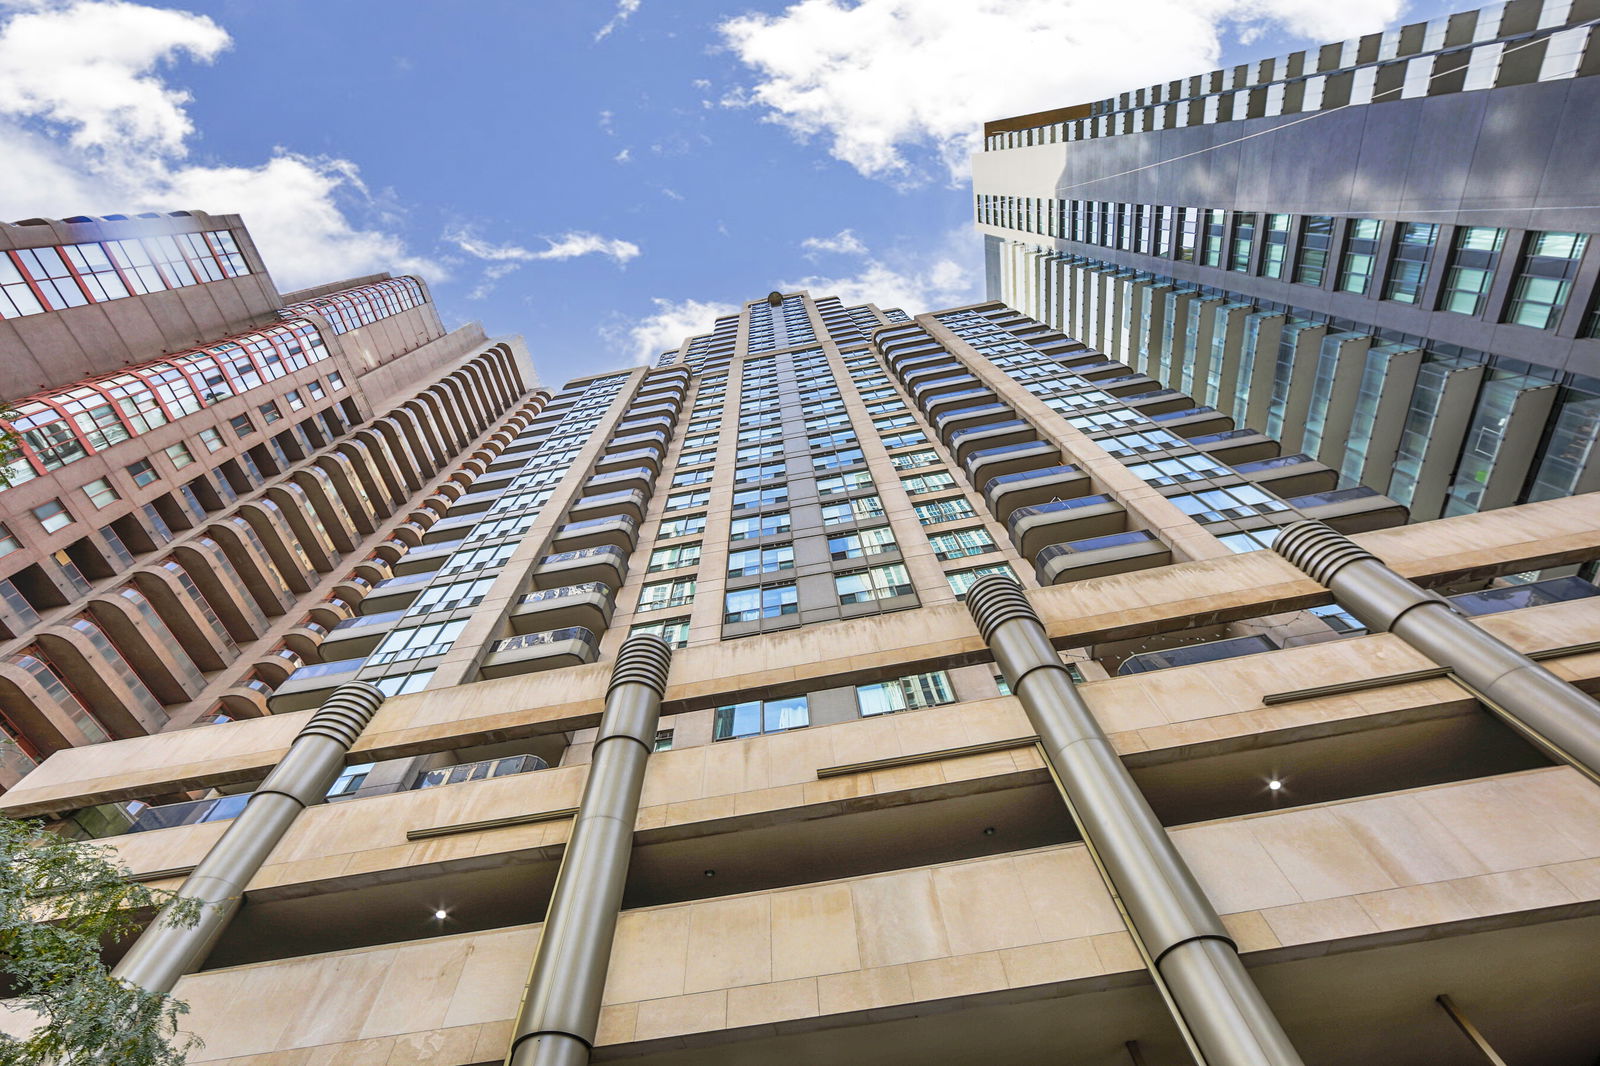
580,589
1110,540
480,771
584,553
1027,475
552,636
1057,506
1010,425
369,620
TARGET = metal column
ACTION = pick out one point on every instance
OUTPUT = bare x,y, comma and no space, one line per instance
1191,955
1555,715
561,1007
165,952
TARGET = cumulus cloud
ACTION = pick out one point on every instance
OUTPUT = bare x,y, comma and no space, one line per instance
91,124
625,10
901,88
643,339
942,280
845,242
504,259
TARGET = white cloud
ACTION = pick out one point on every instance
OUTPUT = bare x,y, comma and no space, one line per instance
624,156
646,338
89,124
625,10
896,85
914,282
845,242
507,258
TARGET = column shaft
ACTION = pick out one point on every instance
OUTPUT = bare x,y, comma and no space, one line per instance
561,1006
1192,954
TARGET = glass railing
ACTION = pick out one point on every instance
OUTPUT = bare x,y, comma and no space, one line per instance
968,412
315,670
570,528
389,584
1057,506
1009,449
193,812
1275,463
602,498
628,474
1516,597
1187,412
1010,425
552,636
1332,496
1227,434
583,588
1028,475
1209,652
1110,540
481,770
582,553
368,620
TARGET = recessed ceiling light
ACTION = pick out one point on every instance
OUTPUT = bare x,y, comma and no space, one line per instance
1274,784
711,873
440,915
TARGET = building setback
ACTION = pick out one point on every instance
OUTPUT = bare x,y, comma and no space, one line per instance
1377,252
896,689
206,477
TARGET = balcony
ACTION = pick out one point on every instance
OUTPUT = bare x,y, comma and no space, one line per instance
587,606
1352,510
356,637
1288,475
1118,553
1028,487
1040,524
1128,385
1516,597
961,418
947,387
305,638
1237,445
640,440
963,442
474,503
532,652
425,560
395,593
1193,654
607,565
1193,421
279,663
1158,401
939,404
352,587
193,812
247,699
641,478
308,686
449,529
619,531
482,770
628,458
990,463
629,503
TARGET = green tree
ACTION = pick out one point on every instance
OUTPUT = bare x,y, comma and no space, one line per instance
10,444
59,901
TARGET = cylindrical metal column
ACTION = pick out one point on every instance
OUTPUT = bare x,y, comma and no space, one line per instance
166,951
1192,955
1552,713
561,1007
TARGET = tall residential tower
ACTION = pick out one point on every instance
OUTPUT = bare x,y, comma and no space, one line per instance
1377,251
853,686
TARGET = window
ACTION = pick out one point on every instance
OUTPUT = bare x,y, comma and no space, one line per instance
873,583
764,601
1472,266
817,425
180,455
684,500
960,543
687,526
697,458
854,481
937,481
295,400
141,472
677,593
1178,469
663,740
963,580
1216,227
862,507
834,460
1360,255
1238,501
675,631
1544,278
8,540
837,439
211,439
457,595
269,412
743,475
764,560
905,693
1188,232
1316,239
884,425
417,642
872,541
690,477
335,380
100,492
766,525
53,515
1254,541
760,716
944,510
1408,269
1275,246
905,440
913,460
242,426
674,558
317,392
400,684
770,496
478,558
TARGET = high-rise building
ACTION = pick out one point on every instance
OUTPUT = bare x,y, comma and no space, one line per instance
202,476
1377,251
693,636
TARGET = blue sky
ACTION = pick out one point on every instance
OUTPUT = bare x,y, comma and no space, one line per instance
602,177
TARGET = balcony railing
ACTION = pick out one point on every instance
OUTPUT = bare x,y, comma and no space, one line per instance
482,770
1516,597
554,636
582,588
193,812
1056,506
